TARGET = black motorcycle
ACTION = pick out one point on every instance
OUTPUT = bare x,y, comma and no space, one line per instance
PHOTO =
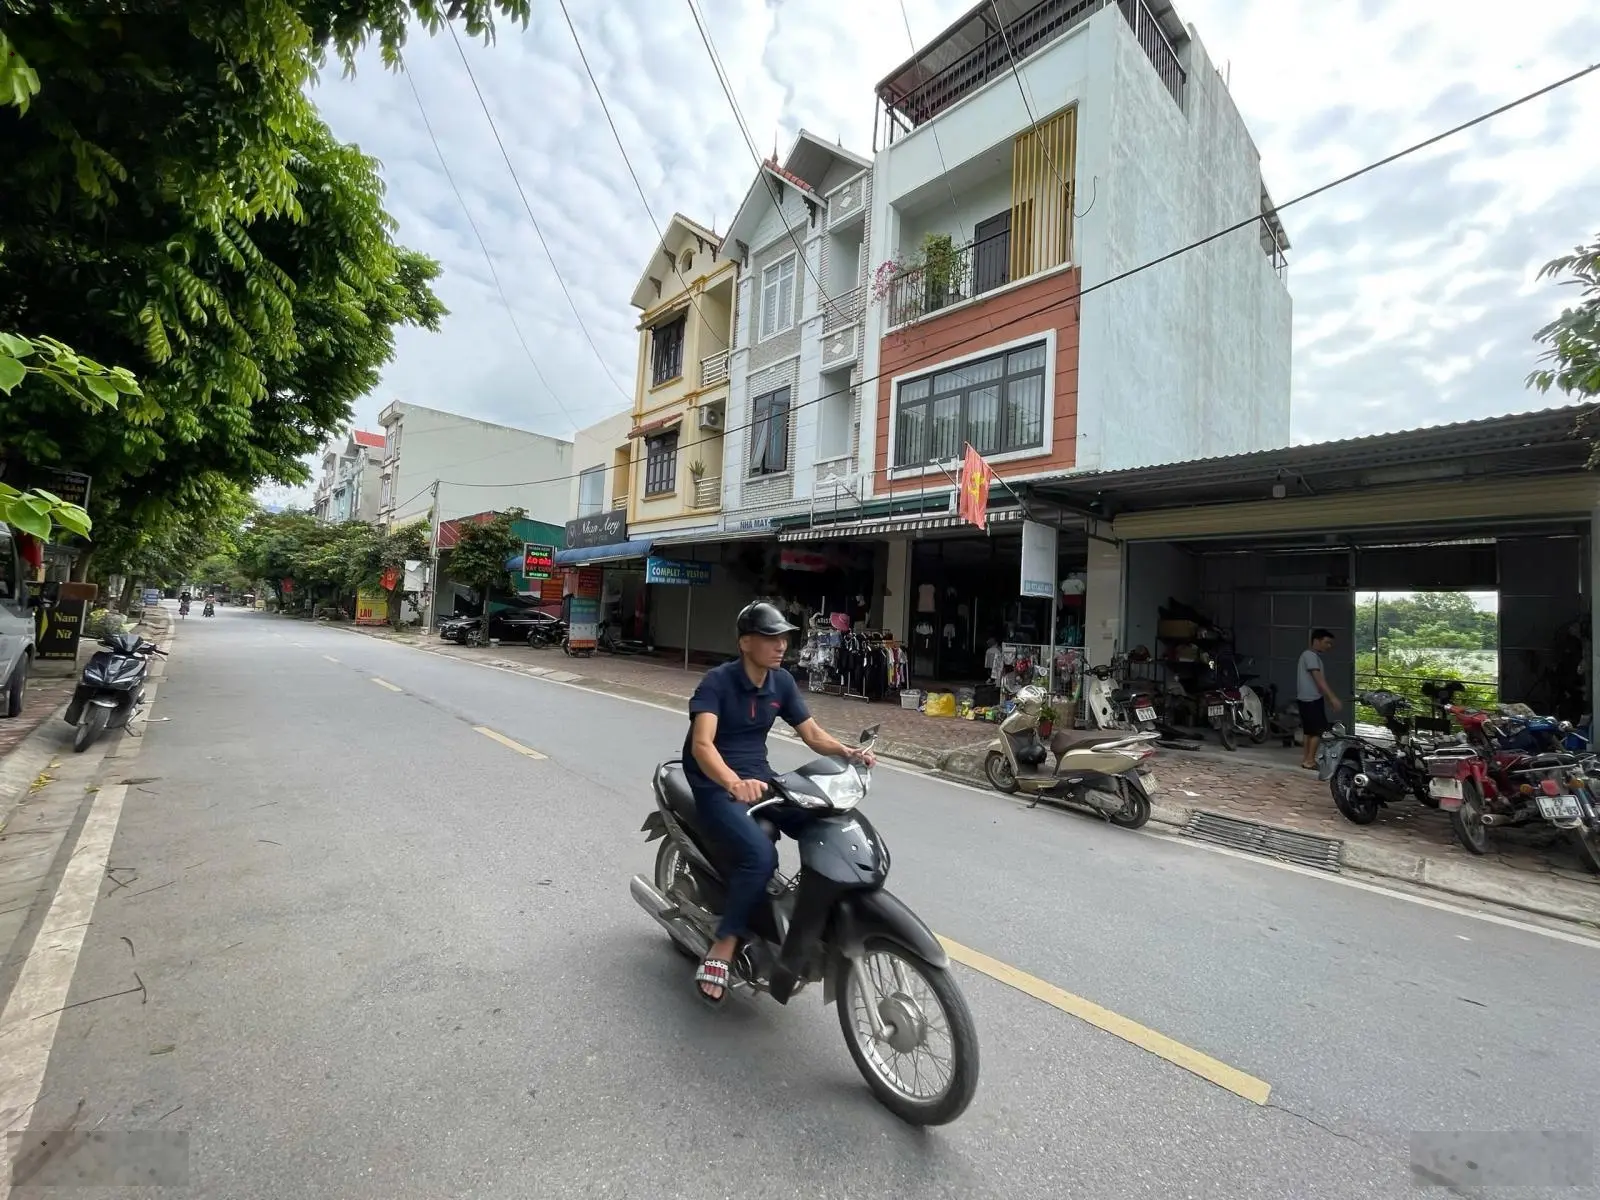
1365,775
210,610
902,1015
111,693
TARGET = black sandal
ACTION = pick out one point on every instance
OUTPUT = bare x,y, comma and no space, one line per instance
715,972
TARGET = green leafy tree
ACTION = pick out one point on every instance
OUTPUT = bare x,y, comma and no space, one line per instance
276,546
478,559
1424,621
172,201
374,555
1572,340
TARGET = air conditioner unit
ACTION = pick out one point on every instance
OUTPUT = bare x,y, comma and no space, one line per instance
710,418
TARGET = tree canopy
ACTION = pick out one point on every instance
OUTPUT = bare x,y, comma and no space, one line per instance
171,202
329,562
1572,340
478,559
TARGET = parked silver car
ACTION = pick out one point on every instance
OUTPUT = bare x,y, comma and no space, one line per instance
16,628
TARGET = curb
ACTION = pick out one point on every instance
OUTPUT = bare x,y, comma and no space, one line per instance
1494,885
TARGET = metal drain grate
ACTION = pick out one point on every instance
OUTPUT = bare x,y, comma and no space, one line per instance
1307,849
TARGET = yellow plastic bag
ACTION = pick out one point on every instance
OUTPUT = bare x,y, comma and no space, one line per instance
940,704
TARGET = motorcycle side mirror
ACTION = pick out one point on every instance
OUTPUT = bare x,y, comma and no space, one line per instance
869,735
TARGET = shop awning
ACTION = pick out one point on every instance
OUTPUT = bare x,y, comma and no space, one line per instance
588,556
660,425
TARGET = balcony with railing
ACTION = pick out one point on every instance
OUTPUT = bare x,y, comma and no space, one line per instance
714,369
707,492
946,277
844,308
995,35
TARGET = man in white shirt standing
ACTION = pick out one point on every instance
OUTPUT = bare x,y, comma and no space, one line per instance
1313,695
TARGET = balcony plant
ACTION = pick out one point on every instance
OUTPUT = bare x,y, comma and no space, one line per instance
697,469
941,270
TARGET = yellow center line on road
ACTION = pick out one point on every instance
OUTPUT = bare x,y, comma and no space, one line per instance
384,683
507,742
1231,1079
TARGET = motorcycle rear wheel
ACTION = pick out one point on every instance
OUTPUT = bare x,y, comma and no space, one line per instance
1225,735
915,1019
1467,821
670,864
1588,843
1135,812
94,724
1358,810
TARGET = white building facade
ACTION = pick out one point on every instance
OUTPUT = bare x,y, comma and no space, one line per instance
1022,171
478,466
793,406
350,486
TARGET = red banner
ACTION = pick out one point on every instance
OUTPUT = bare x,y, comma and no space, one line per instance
390,579
973,505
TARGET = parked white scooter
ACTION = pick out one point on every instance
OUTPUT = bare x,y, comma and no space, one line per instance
1111,706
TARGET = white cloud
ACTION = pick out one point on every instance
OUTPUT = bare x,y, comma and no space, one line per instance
1411,286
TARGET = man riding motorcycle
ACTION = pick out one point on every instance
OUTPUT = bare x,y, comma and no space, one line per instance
725,763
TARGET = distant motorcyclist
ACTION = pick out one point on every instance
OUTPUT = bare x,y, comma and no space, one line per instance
183,605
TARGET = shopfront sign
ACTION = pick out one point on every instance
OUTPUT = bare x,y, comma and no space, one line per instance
601,529
372,607
583,607
673,572
60,625
538,560
1038,560
751,525
71,486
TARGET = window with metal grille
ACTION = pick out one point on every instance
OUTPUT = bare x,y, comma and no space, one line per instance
769,433
666,351
995,403
661,464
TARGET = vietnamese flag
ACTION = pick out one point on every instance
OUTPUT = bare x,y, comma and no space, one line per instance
973,505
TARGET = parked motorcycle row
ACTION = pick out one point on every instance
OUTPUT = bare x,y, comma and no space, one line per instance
1487,770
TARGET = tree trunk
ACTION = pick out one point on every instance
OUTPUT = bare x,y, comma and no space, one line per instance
394,599
80,567
126,598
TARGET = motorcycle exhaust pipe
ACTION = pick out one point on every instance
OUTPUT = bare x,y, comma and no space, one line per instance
1362,780
667,916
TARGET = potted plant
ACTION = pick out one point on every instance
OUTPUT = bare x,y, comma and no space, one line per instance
1047,719
941,270
697,469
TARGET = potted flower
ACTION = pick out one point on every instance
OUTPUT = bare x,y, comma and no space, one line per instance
697,469
1047,719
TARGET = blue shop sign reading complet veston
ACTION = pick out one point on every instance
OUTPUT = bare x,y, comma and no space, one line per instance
672,571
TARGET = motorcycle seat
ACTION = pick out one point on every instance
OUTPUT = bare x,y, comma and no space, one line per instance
1122,696
680,799
1063,740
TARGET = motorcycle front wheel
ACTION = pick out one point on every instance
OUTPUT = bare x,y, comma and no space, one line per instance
1588,843
998,771
1226,736
94,724
925,1067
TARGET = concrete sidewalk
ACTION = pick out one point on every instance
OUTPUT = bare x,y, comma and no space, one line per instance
1532,868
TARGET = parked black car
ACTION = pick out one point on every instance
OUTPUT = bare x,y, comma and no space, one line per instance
509,625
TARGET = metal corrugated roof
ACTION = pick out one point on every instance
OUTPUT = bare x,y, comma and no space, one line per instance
1547,439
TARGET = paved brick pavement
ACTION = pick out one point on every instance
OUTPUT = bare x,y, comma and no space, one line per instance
42,697
1254,785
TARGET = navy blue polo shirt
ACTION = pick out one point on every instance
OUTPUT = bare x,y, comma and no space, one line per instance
745,714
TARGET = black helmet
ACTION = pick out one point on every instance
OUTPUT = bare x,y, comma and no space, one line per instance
764,619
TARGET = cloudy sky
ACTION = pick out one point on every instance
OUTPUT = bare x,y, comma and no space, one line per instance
1414,288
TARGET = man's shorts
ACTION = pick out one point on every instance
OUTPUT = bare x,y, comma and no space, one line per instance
1313,717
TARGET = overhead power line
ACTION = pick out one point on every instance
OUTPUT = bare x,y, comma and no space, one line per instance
632,174
565,291
988,333
761,172
483,246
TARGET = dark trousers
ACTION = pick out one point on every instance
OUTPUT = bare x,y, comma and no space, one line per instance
751,855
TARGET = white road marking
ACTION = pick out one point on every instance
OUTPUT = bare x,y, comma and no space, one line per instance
33,1013
384,683
1561,935
330,658
507,742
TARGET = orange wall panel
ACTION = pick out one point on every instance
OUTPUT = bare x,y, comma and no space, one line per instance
1001,319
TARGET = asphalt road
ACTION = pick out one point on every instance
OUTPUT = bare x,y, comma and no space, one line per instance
385,955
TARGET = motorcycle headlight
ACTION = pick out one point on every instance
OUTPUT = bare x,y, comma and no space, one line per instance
845,790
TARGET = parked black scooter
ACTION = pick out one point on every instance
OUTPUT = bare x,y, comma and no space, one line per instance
1366,775
111,693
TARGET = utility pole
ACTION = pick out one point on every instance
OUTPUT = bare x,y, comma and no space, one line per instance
433,559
